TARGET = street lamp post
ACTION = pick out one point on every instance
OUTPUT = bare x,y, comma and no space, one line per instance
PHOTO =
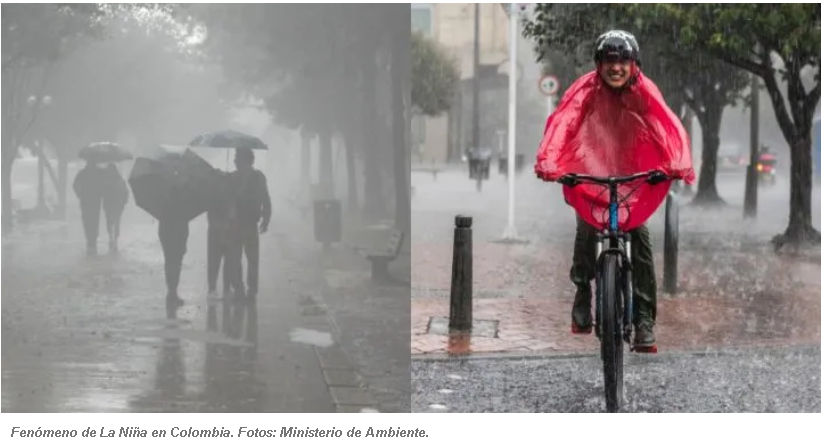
510,232
750,197
476,81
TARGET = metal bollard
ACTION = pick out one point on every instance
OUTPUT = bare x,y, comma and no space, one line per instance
670,245
460,301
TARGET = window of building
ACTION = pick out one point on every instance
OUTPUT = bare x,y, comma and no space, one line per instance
421,18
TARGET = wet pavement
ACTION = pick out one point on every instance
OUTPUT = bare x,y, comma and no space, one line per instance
93,335
732,289
745,380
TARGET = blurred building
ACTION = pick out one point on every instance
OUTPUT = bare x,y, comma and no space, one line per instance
443,138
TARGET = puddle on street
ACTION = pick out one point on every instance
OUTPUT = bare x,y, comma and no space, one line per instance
311,337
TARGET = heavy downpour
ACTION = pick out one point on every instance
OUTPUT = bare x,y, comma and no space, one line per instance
205,208
527,296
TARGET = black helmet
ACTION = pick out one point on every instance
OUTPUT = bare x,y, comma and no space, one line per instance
617,44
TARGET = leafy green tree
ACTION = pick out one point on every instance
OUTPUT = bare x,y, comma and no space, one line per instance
313,65
778,43
35,39
435,76
685,75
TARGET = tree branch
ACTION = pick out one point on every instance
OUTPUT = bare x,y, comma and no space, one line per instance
811,99
700,114
795,91
755,68
779,106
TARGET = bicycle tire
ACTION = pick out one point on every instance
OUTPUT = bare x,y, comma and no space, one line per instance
611,341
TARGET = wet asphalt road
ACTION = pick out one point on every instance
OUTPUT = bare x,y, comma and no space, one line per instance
764,380
92,334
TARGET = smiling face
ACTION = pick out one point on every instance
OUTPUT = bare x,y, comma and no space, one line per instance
615,72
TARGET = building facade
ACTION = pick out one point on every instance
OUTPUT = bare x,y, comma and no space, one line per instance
452,25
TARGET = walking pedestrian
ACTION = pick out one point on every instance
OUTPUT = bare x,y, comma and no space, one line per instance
89,185
223,241
115,198
253,212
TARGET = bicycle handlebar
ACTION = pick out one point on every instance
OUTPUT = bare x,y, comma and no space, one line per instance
652,177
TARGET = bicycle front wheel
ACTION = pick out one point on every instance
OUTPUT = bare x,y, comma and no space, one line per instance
611,342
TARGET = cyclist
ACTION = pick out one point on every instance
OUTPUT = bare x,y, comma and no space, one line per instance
613,121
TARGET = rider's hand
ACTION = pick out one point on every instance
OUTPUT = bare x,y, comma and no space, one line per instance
657,177
568,179
541,175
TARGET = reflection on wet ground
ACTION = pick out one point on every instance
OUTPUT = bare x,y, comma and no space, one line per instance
92,334
228,371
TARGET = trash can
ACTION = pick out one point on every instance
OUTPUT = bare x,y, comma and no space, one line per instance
502,165
519,162
327,221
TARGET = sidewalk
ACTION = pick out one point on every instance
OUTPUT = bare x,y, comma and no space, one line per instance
733,290
91,334
370,321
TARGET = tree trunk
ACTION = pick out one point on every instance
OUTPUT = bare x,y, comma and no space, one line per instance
800,229
62,184
8,209
707,183
797,132
326,166
400,63
41,175
305,168
688,123
373,206
353,202
9,152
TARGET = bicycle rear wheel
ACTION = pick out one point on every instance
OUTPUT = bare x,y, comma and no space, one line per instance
611,341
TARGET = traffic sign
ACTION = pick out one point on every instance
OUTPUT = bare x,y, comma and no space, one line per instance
549,85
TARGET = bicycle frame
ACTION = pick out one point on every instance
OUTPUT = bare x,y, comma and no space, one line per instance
619,243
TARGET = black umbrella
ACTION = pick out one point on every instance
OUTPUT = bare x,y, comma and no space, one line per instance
228,139
101,152
173,184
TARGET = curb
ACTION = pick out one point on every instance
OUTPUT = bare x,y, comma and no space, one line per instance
731,350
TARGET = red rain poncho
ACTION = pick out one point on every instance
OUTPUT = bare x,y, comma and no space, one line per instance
600,132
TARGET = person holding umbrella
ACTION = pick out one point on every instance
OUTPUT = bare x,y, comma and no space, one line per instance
223,241
96,187
89,185
173,232
174,188
253,207
115,198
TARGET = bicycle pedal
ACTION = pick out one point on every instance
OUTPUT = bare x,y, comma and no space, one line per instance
577,330
652,349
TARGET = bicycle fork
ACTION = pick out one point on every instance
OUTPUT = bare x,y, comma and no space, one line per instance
628,290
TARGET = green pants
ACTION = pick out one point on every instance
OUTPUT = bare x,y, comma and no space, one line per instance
643,278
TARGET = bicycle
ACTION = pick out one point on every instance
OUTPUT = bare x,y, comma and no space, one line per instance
613,313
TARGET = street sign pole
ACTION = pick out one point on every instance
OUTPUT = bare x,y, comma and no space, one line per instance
510,233
549,86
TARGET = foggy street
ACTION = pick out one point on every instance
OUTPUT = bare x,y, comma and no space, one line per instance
91,334
178,122
733,293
